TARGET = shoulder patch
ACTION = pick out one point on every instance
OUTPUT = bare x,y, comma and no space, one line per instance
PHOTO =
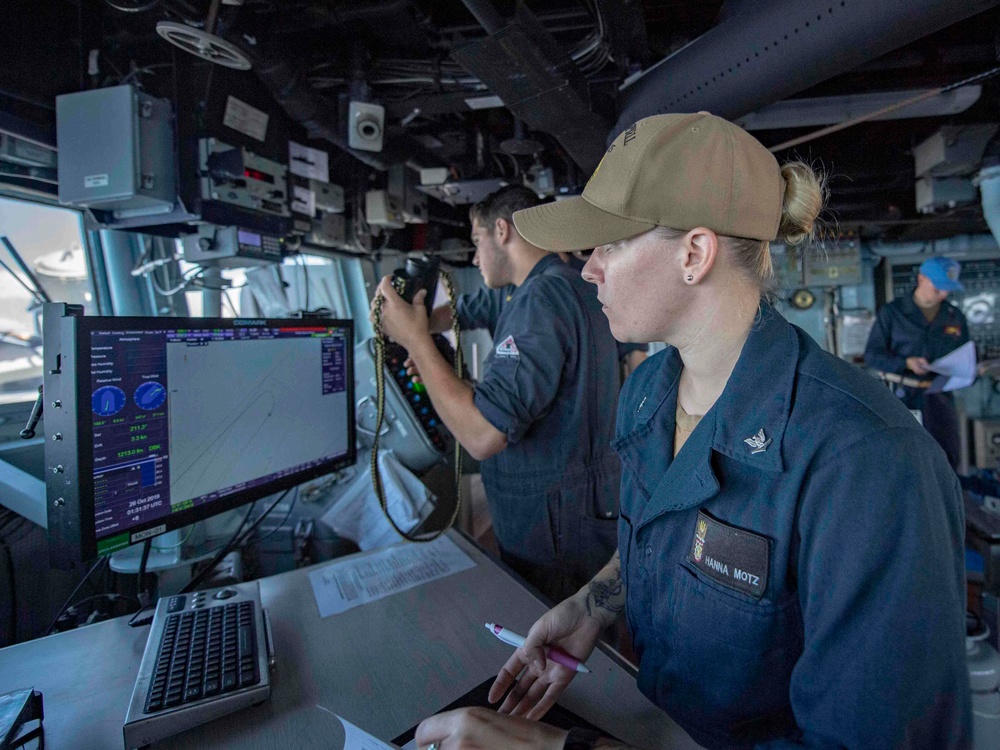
507,348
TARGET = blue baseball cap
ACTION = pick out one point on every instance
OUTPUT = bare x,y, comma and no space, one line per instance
943,273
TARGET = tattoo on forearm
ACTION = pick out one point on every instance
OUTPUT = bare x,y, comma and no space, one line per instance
608,593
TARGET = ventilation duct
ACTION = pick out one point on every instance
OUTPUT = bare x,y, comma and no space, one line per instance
538,82
769,51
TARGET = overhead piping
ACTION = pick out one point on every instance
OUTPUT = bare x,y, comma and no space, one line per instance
770,51
486,13
536,80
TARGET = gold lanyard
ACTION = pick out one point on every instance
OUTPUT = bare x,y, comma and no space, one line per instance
379,342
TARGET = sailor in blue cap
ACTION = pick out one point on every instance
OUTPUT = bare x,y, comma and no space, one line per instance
912,332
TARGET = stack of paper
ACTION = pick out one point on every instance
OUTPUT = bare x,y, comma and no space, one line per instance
955,370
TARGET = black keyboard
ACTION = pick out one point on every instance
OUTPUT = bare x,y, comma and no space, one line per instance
204,653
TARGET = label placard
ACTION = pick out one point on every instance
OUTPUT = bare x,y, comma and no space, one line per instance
245,119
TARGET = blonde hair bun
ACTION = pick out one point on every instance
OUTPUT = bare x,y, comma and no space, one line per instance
805,194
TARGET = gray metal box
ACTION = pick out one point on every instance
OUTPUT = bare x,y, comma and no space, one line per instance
401,189
116,151
953,150
329,197
986,440
936,193
327,230
837,263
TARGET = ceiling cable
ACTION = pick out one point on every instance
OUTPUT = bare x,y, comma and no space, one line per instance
885,110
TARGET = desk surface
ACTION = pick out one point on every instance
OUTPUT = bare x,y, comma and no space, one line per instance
383,666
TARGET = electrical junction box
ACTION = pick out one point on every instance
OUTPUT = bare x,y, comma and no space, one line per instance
541,180
433,175
833,264
938,193
116,152
329,197
953,150
402,189
327,230
986,440
853,328
383,210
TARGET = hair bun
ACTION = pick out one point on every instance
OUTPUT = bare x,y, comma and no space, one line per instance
805,194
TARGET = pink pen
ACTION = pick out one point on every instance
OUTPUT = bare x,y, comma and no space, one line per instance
553,652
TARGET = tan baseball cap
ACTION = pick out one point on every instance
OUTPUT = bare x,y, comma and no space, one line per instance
680,171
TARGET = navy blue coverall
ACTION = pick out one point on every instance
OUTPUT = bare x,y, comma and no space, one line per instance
902,331
481,309
551,386
795,575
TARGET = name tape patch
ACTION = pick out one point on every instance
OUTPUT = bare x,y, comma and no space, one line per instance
736,558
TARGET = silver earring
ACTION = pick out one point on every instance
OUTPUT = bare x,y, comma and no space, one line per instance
690,278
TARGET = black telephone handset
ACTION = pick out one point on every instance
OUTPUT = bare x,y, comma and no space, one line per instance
419,273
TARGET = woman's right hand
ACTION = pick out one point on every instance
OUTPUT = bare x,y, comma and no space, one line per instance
568,626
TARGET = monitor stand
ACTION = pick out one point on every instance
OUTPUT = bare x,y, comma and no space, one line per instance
165,553
181,547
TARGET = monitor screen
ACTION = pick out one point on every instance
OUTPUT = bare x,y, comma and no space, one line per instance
180,419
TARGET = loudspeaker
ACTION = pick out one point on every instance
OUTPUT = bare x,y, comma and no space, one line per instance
365,123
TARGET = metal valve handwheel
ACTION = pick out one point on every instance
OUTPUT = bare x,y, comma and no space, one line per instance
203,44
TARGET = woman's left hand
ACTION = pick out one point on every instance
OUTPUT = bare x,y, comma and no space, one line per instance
481,728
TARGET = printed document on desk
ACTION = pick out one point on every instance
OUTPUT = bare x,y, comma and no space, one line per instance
956,369
356,738
341,586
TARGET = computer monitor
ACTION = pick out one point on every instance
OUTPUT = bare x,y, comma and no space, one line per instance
156,423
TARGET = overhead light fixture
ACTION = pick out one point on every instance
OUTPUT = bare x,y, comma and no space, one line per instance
484,102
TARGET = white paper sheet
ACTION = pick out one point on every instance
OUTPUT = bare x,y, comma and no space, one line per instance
356,515
356,738
958,369
308,162
341,586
